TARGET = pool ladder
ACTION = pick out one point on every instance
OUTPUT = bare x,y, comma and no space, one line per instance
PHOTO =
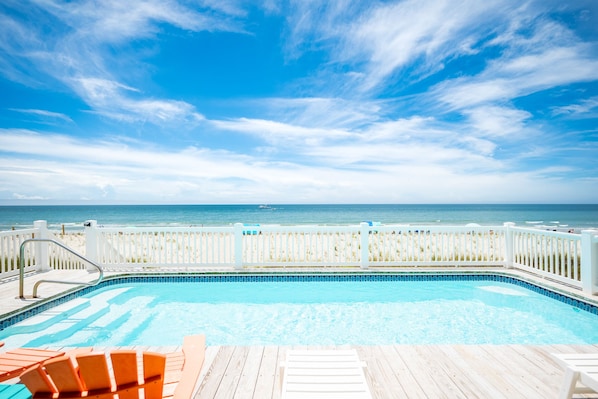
37,284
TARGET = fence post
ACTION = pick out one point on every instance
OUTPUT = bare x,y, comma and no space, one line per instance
238,229
589,260
364,229
41,248
509,257
91,242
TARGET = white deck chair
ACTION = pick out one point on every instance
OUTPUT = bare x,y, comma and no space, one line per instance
579,368
324,374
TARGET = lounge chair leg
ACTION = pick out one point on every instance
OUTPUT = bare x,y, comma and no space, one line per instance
569,383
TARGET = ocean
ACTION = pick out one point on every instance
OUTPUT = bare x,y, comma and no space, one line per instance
73,217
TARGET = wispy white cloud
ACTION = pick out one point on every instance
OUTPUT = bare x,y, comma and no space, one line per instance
17,41
48,166
79,53
281,134
113,21
399,43
521,75
44,114
314,25
117,101
29,198
495,121
414,142
391,37
323,112
586,108
536,54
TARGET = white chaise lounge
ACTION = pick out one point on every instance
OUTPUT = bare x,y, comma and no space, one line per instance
580,368
324,374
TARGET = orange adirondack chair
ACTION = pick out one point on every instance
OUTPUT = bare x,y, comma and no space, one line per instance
89,376
96,375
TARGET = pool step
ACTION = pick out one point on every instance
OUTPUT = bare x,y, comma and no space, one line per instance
112,322
64,319
87,327
49,317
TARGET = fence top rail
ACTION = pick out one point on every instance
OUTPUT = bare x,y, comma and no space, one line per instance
355,228
422,228
556,234
275,228
165,229
8,233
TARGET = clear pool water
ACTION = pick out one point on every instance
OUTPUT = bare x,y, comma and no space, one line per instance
309,313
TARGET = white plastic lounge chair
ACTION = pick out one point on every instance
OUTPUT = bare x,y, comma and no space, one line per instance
579,368
324,374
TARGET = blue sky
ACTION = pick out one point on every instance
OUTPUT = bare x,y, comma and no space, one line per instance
307,101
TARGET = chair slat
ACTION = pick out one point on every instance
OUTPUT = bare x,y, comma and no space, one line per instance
93,369
38,382
64,374
124,366
153,368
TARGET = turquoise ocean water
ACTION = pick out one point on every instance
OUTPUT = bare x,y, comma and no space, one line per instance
72,217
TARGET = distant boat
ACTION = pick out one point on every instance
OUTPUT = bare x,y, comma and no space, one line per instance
264,206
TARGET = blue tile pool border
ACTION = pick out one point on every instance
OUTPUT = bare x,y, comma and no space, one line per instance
23,314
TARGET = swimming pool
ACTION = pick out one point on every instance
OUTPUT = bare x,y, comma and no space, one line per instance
311,310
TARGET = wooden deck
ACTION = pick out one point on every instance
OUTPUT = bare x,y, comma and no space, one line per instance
402,371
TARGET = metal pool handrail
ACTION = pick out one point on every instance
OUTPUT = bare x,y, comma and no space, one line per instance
22,268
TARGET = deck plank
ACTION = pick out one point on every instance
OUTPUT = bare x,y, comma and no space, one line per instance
249,373
526,383
476,379
438,371
233,372
458,384
266,378
380,368
424,371
213,378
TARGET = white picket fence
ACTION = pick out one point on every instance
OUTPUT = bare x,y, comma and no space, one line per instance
36,256
569,258
244,246
555,255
